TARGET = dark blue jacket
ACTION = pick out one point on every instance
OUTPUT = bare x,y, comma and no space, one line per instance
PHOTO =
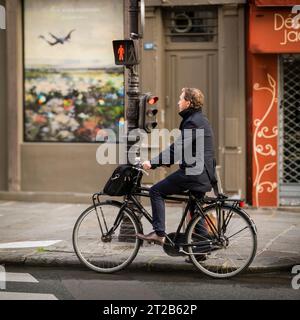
193,119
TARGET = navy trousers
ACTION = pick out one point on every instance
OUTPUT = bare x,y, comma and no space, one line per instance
170,185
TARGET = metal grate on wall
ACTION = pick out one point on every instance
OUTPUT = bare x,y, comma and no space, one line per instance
289,131
191,24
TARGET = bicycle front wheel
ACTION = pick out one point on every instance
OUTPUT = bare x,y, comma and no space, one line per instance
223,243
104,237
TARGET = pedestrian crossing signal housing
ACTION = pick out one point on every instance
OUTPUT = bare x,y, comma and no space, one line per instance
124,52
148,112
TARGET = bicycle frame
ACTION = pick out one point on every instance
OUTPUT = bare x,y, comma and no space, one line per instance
188,198
185,197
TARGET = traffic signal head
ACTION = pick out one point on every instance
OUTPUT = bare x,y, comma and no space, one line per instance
124,52
147,112
152,100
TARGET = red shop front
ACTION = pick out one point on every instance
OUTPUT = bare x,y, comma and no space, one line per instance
273,102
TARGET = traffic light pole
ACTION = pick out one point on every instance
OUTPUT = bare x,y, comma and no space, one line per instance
133,93
132,110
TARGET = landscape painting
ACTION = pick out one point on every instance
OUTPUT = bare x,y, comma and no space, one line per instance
72,90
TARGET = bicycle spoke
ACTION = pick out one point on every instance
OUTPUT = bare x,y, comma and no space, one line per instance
114,249
238,232
236,244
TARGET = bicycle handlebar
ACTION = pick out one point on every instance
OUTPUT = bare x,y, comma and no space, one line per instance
139,167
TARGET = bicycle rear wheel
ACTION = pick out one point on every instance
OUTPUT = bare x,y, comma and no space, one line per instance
225,244
104,239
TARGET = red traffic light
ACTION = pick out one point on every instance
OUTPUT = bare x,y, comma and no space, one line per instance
152,100
147,112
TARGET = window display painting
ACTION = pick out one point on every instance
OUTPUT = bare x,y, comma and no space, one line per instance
73,91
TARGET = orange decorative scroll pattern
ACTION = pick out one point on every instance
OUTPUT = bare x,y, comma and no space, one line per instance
265,131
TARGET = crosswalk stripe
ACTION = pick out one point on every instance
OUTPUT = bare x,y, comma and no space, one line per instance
28,244
26,296
19,277
25,278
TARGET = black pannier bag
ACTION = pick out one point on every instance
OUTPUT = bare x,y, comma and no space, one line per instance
121,181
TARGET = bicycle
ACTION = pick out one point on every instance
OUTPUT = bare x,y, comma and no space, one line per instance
220,239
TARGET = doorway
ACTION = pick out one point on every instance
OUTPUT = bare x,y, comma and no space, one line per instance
191,60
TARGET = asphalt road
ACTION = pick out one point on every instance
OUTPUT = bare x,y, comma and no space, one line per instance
53,283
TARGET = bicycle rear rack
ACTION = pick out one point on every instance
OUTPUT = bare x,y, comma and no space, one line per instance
96,197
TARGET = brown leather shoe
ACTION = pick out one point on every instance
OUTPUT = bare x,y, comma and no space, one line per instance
151,237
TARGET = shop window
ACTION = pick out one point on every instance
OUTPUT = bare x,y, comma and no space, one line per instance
72,89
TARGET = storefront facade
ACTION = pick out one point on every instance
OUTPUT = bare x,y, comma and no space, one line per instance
198,45
273,103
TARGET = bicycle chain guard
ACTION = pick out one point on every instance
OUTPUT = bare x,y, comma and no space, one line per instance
169,249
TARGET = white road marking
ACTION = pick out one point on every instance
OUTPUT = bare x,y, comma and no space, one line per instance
20,277
28,244
25,278
26,296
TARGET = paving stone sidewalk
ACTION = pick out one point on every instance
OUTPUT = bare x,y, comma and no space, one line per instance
278,237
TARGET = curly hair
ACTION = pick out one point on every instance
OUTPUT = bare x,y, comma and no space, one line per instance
194,96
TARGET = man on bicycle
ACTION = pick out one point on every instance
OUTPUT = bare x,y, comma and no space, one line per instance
190,106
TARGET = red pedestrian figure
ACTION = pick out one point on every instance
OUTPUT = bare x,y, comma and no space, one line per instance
121,52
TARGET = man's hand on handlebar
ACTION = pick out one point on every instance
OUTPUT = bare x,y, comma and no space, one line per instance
146,165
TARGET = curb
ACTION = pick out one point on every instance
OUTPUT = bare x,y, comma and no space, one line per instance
152,264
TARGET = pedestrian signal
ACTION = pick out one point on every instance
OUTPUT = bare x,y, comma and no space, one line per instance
124,52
